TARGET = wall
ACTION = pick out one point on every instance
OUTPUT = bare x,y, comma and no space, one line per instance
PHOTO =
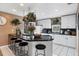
7,28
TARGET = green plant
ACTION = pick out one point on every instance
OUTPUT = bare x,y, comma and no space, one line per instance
31,17
25,19
55,21
31,31
31,28
15,22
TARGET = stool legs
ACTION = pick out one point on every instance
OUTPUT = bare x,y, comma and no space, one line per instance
23,51
36,53
12,45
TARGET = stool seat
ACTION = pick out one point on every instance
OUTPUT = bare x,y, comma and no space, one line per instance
40,46
13,38
23,44
23,48
18,41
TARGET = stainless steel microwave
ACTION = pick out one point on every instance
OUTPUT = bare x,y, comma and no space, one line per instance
56,28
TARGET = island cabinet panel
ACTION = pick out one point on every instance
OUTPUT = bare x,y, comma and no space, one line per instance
48,49
68,21
65,40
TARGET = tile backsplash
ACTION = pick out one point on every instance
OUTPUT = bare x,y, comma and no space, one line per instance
68,31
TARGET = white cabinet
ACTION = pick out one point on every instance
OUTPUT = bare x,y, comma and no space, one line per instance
45,23
65,40
48,49
71,41
68,21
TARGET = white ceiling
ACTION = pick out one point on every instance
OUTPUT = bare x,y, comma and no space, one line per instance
42,10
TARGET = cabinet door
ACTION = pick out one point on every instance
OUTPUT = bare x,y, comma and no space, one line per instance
65,39
56,39
68,21
44,23
72,41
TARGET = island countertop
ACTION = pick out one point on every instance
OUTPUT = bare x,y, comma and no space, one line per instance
37,40
44,38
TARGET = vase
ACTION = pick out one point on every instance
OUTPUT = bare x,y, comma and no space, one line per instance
31,35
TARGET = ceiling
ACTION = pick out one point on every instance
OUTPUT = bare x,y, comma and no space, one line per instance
42,10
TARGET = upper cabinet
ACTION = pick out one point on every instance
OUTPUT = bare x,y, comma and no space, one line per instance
44,23
68,21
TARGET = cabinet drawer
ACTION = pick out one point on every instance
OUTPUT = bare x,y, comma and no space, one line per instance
72,41
56,39
65,40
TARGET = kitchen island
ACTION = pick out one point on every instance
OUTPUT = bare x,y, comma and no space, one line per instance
45,41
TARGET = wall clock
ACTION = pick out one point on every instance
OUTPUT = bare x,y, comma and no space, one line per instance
3,20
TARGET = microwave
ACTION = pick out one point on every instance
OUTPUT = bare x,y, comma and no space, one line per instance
56,28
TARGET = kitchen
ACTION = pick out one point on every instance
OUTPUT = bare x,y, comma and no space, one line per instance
57,22
66,34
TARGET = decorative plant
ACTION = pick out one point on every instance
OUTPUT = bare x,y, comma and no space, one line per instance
15,22
25,19
31,17
56,20
25,24
31,29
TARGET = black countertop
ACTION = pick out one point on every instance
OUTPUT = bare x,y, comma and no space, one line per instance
37,40
43,38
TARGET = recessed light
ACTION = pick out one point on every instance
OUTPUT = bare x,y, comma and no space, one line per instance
56,10
21,4
14,10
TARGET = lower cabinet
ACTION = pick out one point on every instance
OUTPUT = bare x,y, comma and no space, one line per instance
71,41
65,40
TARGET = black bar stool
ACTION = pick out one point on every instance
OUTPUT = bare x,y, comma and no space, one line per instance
23,50
17,46
13,42
40,47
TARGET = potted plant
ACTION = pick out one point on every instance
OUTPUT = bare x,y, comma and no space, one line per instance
31,29
25,24
29,22
31,17
15,22
56,21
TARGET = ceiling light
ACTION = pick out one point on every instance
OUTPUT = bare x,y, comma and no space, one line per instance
21,4
56,10
14,10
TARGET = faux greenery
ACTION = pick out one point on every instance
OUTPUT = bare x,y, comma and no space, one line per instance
31,28
25,19
30,17
56,20
15,22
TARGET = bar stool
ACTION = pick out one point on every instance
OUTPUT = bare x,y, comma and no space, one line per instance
17,46
40,47
13,42
23,48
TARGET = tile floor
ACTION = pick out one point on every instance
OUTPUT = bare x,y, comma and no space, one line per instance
57,51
